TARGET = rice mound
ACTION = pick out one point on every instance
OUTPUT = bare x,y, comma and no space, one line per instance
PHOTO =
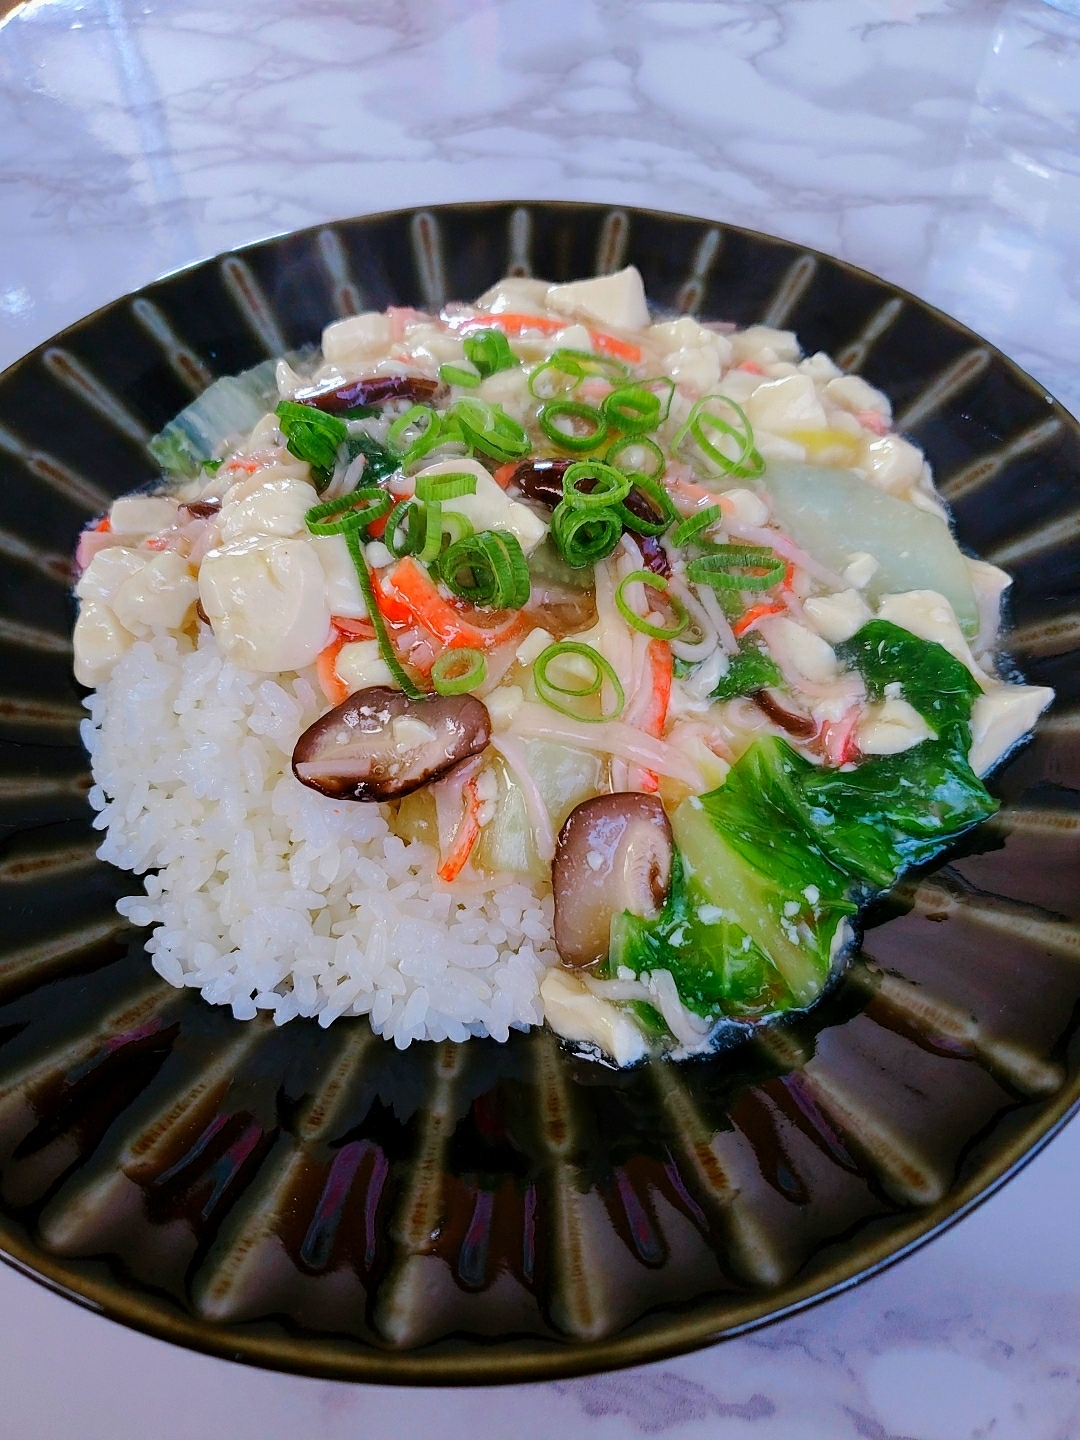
269,896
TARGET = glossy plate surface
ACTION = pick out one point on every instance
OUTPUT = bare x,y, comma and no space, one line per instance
317,1201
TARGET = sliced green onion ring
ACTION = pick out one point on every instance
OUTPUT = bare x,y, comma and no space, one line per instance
448,676
694,524
556,695
583,537
407,515
455,375
497,571
634,409
660,585
396,435
738,567
448,486
386,650
489,429
592,364
489,351
558,364
432,546
313,436
574,410
659,502
747,464
627,444
349,512
609,485
456,526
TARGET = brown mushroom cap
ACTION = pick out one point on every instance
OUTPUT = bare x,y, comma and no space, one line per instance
614,853
372,746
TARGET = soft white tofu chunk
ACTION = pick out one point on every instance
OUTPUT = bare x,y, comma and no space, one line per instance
266,600
837,617
810,655
617,300
99,641
1000,718
142,514
276,507
108,570
574,1012
359,665
160,596
790,403
891,727
895,464
930,616
360,337
490,508
343,594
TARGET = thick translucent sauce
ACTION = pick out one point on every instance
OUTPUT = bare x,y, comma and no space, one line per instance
657,546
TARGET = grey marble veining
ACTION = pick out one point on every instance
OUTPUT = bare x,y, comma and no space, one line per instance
933,142
936,142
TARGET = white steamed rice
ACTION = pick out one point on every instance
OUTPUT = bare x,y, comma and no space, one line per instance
269,896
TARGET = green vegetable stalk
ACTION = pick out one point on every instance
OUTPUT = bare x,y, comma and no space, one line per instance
772,863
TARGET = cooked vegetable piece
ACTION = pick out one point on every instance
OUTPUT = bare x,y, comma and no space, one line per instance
781,711
613,855
227,409
507,842
834,514
716,965
541,480
749,670
784,848
375,390
380,462
380,744
312,436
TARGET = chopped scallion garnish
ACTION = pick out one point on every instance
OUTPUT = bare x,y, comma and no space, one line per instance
575,411
583,537
705,456
313,436
660,585
488,570
737,567
694,524
456,672
607,486
557,696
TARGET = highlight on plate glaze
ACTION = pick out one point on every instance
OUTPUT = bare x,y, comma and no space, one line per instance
318,1200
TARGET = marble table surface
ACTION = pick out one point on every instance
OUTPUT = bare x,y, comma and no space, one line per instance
936,142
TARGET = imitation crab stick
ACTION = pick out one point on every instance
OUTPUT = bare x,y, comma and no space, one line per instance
654,717
749,618
408,594
333,687
467,835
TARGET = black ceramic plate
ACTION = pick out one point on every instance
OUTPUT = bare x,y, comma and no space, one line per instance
317,1201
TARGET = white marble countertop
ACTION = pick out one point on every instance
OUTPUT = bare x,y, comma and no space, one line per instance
936,142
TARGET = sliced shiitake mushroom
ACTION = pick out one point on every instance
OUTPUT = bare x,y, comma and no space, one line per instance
541,480
201,509
374,390
782,711
653,555
613,854
380,745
